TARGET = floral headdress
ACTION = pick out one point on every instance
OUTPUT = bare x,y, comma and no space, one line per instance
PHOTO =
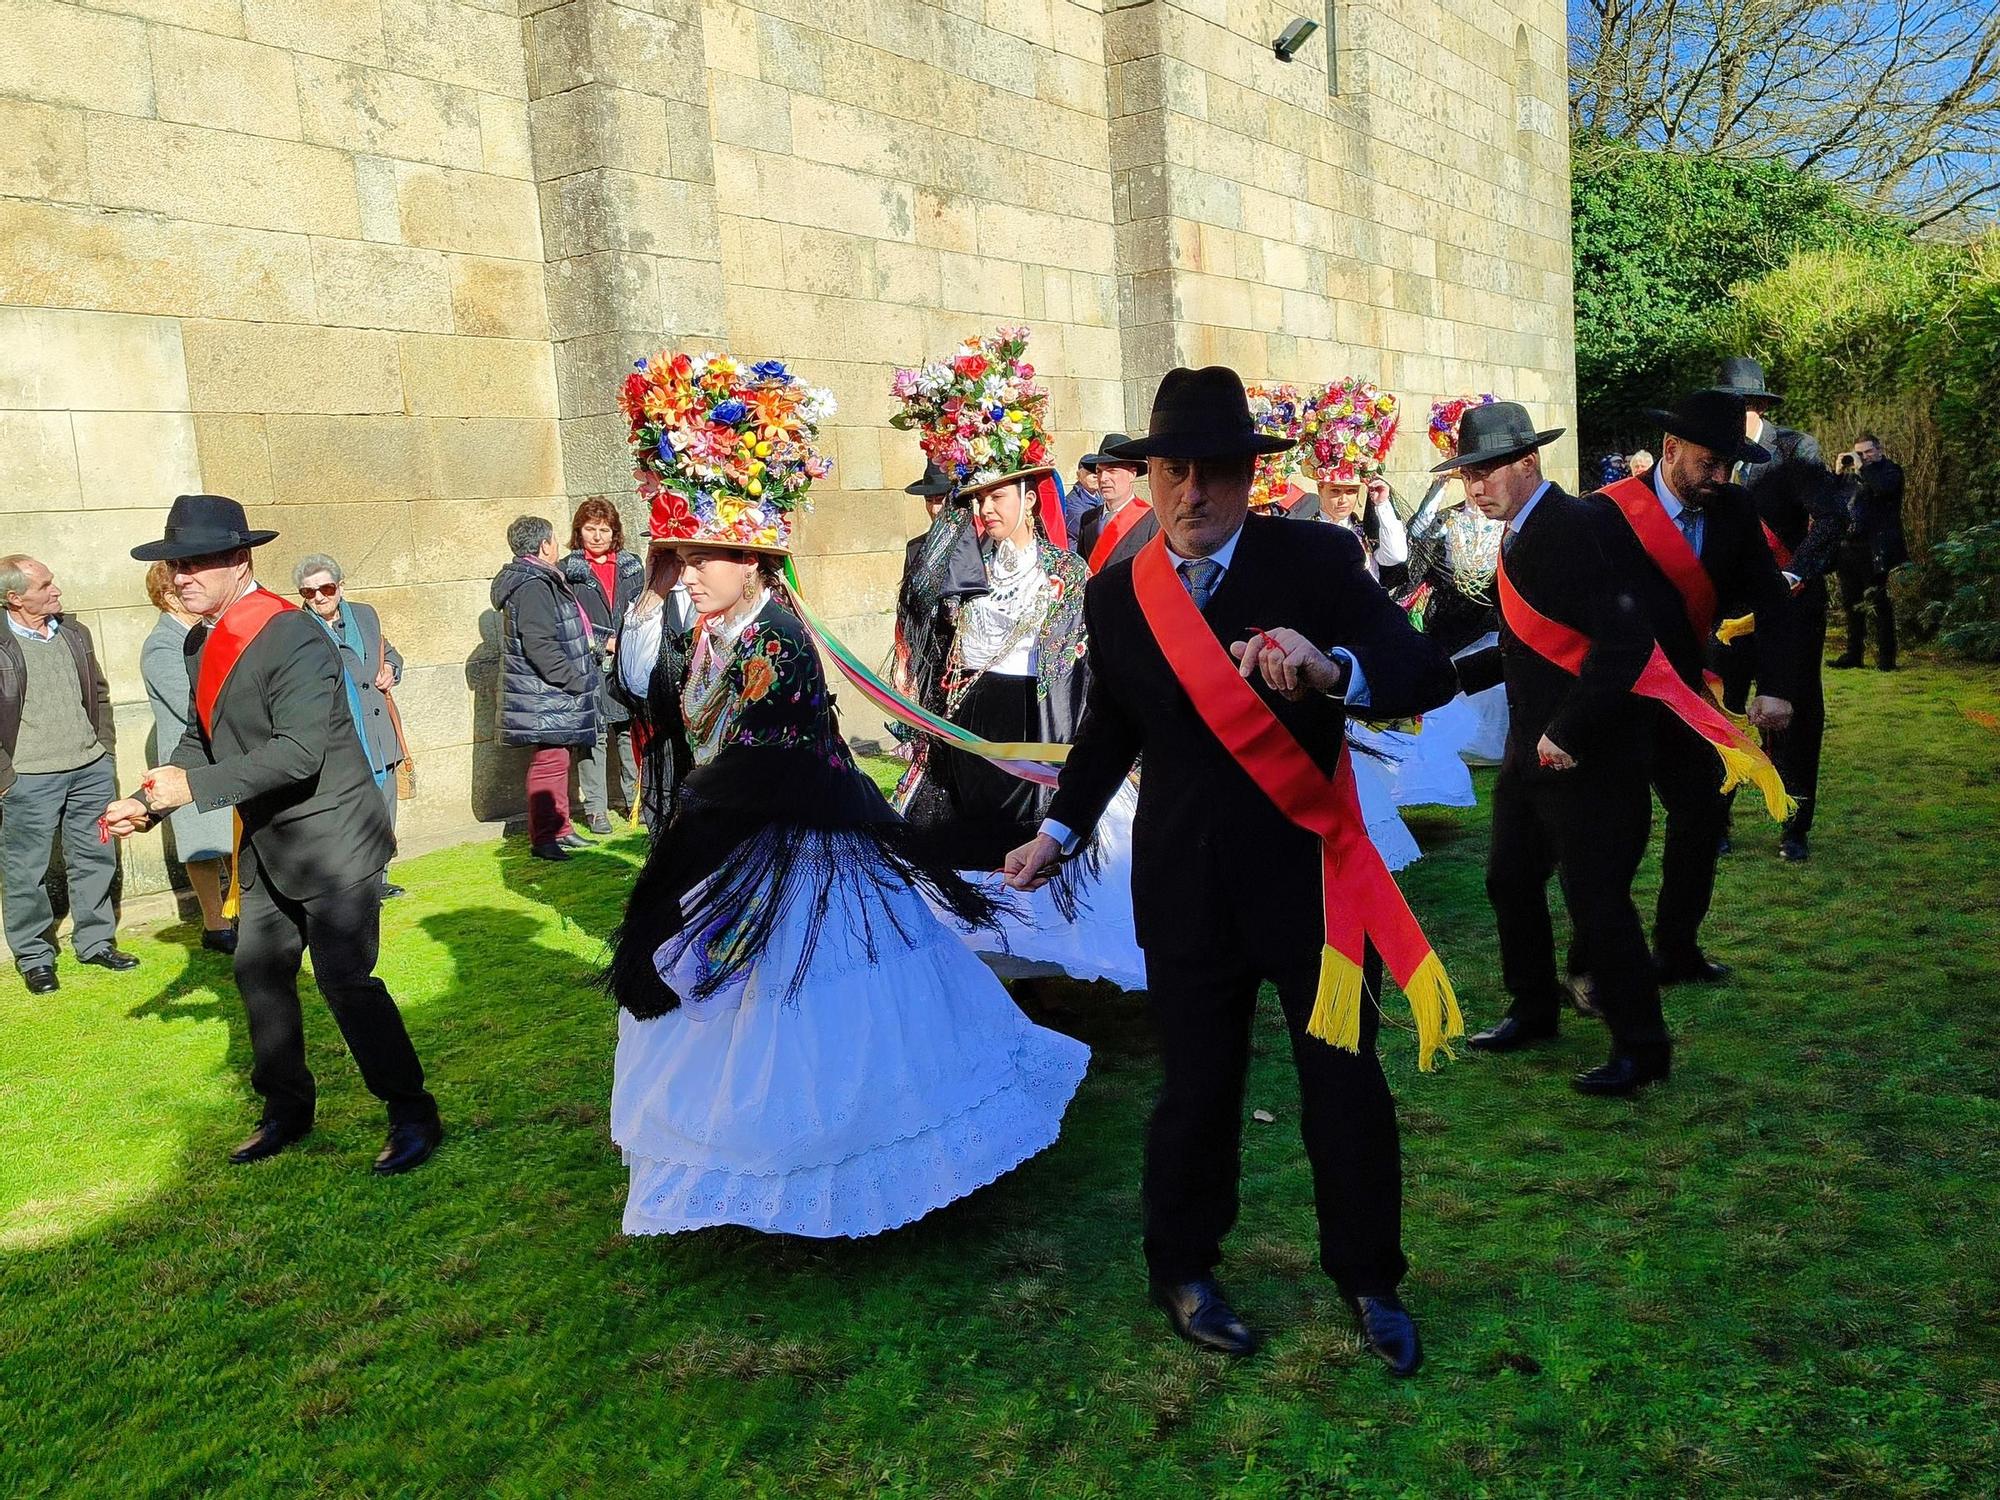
1278,411
1444,421
979,413
1346,429
724,452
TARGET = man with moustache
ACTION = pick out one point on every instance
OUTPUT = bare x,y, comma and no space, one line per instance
1228,644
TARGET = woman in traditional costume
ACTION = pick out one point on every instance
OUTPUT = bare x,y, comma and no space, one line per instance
804,1047
1005,660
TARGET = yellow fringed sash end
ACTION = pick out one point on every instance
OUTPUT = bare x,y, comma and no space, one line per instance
232,903
1739,766
1736,629
1336,1013
1434,1004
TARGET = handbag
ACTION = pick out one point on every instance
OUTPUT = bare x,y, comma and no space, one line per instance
406,768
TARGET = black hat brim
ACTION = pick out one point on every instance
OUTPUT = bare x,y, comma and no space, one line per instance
1757,393
928,491
1194,446
1745,451
179,549
1499,455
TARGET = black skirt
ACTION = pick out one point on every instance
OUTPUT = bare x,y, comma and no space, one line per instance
982,813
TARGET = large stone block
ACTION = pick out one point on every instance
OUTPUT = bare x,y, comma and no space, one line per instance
235,455
63,54
90,551
221,177
595,125
371,541
610,210
691,299
410,119
216,17
480,457
381,286
126,458
223,83
457,376
350,29
354,460
750,112
41,151
55,360
474,213
601,293
37,462
498,298
471,46
281,367
506,144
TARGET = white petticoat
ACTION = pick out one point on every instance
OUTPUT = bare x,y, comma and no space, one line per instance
893,1082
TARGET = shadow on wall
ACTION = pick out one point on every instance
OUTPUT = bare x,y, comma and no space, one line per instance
499,772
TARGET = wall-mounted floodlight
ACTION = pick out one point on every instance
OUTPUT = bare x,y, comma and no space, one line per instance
1295,35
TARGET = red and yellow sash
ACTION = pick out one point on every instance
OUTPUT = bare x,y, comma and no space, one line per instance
1742,625
1742,760
228,638
1115,531
1361,900
1668,548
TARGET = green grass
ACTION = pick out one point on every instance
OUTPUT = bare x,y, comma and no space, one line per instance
1777,1275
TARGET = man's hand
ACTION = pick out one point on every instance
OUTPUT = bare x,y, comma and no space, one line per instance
1769,713
167,788
1034,864
1554,756
1292,665
384,679
126,817
662,573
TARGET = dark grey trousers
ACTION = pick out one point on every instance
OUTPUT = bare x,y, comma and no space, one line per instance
33,809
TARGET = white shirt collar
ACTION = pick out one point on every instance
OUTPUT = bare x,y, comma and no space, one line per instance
1521,515
51,627
1221,556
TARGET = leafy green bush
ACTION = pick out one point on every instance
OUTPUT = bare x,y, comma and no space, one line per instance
1965,607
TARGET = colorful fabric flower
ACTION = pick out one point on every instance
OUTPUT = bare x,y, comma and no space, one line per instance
1277,411
1445,417
978,412
1346,429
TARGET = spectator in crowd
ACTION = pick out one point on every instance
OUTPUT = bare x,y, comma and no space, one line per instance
1082,495
1873,550
605,579
56,772
373,668
1639,464
548,679
203,841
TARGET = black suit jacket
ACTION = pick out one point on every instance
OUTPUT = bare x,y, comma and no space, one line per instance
1092,526
1216,867
1798,498
285,753
1579,563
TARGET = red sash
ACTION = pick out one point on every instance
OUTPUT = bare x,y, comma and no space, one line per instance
1665,544
228,638
1115,531
1361,900
1778,549
1742,760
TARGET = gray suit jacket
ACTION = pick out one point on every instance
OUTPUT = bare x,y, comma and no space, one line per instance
377,728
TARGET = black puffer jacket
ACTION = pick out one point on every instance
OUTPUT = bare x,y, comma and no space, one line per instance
548,673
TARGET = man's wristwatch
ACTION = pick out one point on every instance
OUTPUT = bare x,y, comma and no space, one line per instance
1343,676
145,801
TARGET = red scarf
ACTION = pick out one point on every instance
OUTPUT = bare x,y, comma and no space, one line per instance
1742,760
1048,500
1669,549
228,638
1115,531
1361,900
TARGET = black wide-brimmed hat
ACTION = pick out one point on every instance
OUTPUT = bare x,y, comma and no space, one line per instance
1494,431
934,483
1744,377
198,525
1199,414
1104,455
1712,420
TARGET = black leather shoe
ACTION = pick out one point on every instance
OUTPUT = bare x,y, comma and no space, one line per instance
268,1139
1792,849
112,959
1199,1314
1391,1333
1885,666
1582,990
1844,663
409,1146
1694,969
41,981
1624,1074
556,852
391,892
1724,845
220,940
601,826
574,840
1513,1035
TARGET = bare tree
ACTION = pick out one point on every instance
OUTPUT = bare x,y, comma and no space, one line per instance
1898,99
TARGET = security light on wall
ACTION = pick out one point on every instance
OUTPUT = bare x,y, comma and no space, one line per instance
1295,35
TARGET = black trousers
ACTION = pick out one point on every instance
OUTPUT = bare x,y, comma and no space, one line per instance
1687,774
1794,750
343,930
1864,594
1202,1007
1590,830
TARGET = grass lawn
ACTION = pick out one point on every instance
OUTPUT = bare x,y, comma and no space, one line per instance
1778,1275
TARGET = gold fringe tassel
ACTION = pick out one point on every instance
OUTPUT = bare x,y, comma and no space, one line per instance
1434,1004
232,904
1739,766
1336,1013
1736,629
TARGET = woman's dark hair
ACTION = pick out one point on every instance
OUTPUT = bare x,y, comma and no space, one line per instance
772,571
596,508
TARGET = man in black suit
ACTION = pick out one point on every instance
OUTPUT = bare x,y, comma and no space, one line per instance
272,735
1571,798
1804,515
1705,543
1875,548
1226,889
1117,488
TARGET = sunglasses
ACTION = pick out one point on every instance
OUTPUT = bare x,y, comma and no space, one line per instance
324,591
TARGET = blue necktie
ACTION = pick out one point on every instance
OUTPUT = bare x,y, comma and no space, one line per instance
1690,520
1200,576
